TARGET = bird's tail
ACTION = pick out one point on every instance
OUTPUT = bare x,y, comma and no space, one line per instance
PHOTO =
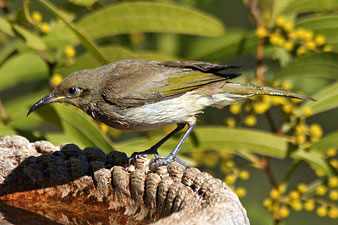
250,90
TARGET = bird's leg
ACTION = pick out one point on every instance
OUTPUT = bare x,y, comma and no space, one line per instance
173,154
153,149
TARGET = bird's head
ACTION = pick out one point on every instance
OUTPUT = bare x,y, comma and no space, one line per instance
76,89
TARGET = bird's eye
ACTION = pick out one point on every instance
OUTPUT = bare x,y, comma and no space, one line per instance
73,90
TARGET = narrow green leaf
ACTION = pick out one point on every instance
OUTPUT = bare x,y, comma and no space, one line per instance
233,140
6,27
31,39
327,99
5,131
325,25
131,17
82,36
8,49
86,3
328,141
82,130
302,6
22,68
234,43
314,65
88,61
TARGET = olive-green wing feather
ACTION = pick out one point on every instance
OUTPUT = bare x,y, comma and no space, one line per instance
146,82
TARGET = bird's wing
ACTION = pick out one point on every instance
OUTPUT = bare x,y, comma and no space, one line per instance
138,82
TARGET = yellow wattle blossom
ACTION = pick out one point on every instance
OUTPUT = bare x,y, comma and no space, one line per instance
280,21
230,122
315,132
250,121
311,45
244,174
267,202
327,48
292,35
308,35
284,212
301,50
287,108
321,190
235,108
300,33
320,39
309,205
301,139
275,193
307,111
262,32
37,17
230,179
322,211
320,173
334,163
69,51
300,129
333,195
288,26
282,188
333,213
287,85
330,152
44,27
276,39
294,194
333,182
104,128
277,100
302,187
260,107
296,205
240,192
289,46
229,163
56,79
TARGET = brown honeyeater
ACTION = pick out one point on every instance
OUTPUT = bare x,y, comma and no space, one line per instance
142,95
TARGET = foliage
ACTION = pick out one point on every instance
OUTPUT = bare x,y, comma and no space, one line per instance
294,44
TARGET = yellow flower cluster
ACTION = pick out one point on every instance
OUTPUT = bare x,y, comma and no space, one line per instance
299,41
298,199
37,19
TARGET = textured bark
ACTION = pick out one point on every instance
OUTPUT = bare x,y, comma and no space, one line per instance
44,184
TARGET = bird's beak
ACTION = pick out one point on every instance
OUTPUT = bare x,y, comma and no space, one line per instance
44,101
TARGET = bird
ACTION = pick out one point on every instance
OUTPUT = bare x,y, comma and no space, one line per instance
140,95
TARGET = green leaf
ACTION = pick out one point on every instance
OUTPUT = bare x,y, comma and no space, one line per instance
88,61
8,49
233,140
5,131
80,128
6,27
326,25
86,3
322,65
327,99
234,43
31,39
22,68
131,17
81,35
303,6
328,141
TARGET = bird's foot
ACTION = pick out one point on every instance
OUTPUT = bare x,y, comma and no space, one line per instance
160,161
137,155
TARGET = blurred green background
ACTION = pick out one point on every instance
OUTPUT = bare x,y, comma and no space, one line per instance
278,155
